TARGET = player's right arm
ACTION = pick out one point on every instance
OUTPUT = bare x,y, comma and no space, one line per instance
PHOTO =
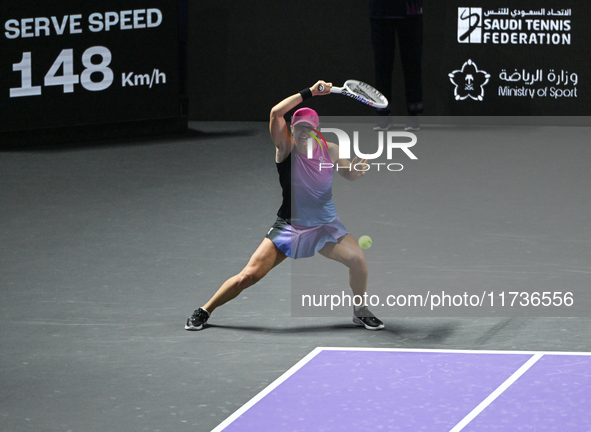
278,126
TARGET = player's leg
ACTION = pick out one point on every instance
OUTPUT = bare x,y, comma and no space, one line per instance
348,252
262,261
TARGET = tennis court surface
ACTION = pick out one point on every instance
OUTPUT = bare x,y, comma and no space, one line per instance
109,246
339,389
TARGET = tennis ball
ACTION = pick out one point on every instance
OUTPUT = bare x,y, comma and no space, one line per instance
365,242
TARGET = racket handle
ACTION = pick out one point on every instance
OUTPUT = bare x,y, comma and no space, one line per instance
332,89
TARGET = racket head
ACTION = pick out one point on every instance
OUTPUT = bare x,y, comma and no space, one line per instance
369,94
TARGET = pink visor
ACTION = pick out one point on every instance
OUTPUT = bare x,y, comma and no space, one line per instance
305,115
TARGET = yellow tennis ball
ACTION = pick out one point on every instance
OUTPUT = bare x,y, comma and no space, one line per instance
365,242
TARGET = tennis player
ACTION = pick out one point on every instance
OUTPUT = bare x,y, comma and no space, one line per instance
312,224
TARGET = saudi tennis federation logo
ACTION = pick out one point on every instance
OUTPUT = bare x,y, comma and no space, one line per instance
469,82
469,25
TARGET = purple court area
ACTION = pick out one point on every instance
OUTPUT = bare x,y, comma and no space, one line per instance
390,390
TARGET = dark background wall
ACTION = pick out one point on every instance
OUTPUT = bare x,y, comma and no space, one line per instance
243,57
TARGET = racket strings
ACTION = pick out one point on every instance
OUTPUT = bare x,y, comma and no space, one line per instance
371,94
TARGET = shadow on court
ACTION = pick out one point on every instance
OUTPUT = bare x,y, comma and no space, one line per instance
424,333
507,325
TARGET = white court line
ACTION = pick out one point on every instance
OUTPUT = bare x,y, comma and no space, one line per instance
267,390
452,351
486,402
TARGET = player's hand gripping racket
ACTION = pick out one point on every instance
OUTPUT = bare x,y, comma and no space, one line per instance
361,92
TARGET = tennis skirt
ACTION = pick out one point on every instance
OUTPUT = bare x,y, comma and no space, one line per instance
297,241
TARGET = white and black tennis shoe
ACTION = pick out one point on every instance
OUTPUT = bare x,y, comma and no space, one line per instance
197,320
363,317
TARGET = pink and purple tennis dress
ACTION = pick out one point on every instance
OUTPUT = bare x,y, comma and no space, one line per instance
307,218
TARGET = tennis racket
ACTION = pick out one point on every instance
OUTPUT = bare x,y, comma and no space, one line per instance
361,92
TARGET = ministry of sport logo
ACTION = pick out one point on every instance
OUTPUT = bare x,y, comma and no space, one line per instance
469,25
469,82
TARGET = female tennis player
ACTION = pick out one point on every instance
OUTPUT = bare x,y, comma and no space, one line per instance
312,224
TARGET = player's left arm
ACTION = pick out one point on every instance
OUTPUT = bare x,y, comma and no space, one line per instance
349,172
345,166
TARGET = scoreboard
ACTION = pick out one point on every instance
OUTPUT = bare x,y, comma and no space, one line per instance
66,63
